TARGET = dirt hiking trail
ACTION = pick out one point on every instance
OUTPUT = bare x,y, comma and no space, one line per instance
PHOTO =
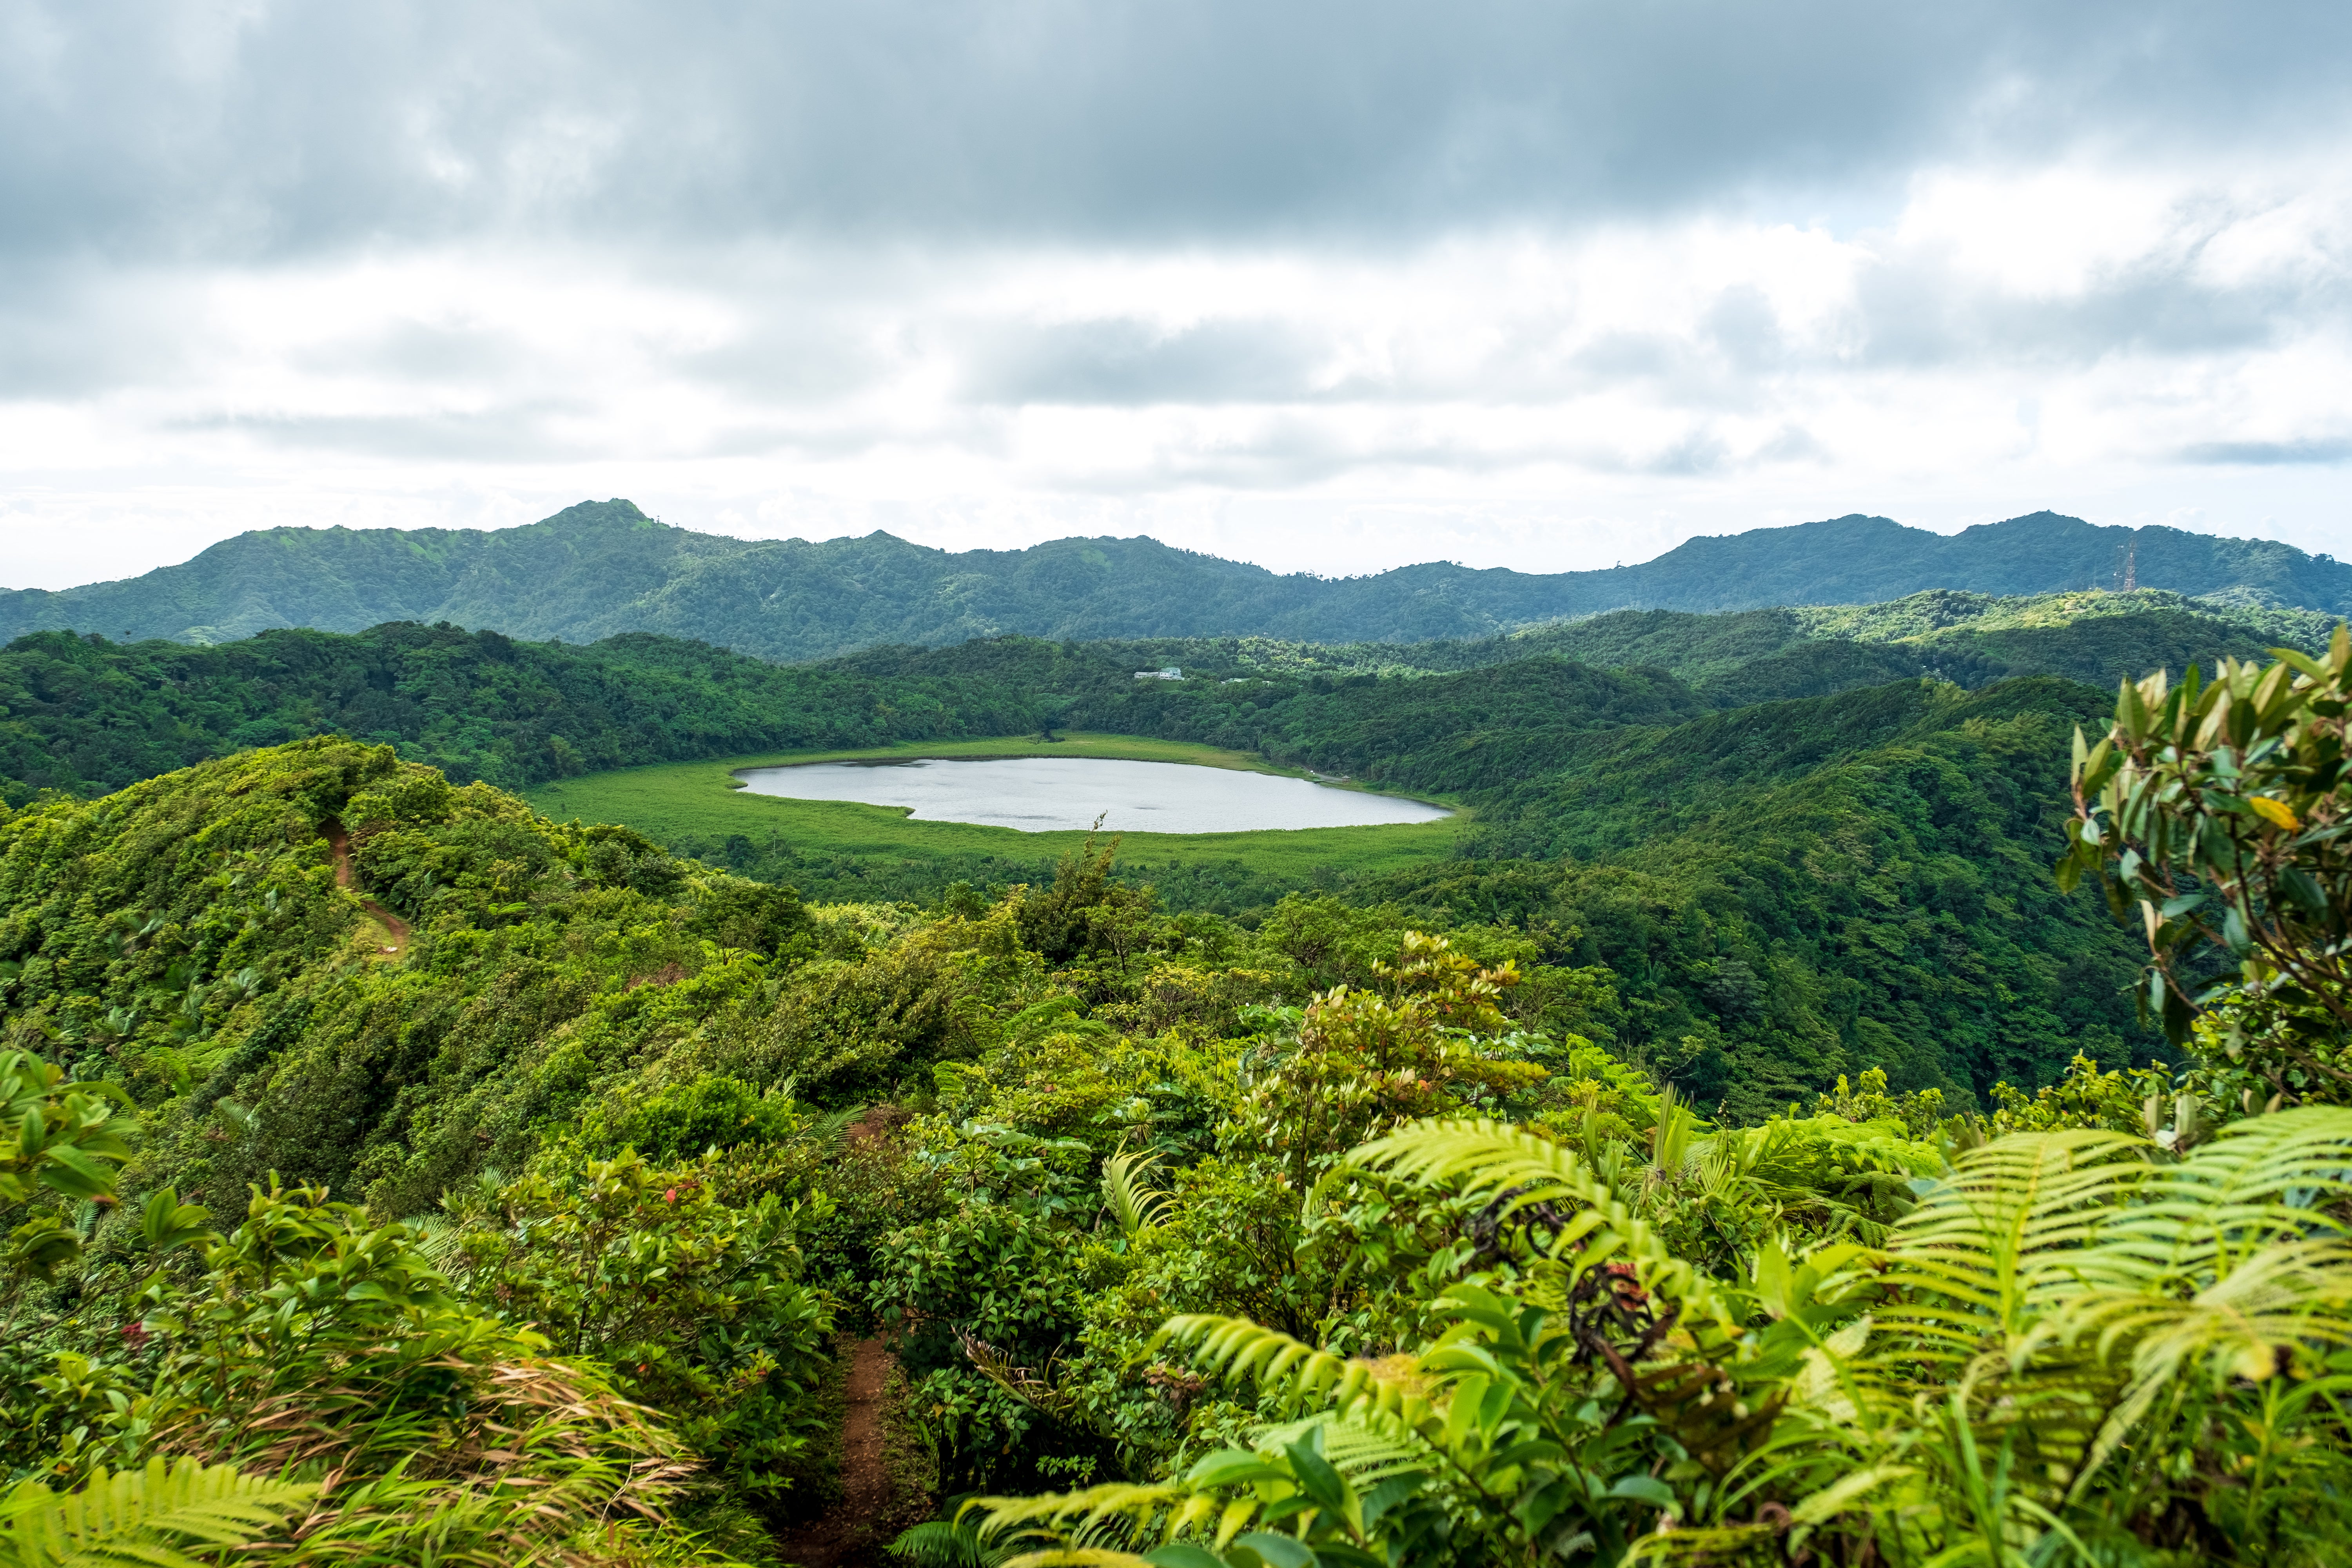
852,1533
339,849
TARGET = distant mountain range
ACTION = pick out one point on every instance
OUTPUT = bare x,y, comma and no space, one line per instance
598,569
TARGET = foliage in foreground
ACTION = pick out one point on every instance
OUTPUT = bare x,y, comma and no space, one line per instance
309,1381
1331,1239
150,1516
2214,814
2072,1349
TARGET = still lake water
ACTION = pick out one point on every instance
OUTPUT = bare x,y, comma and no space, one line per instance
1038,795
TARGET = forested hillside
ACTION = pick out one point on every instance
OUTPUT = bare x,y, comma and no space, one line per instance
1742,656
602,569
1784,891
1644,822
394,1174
1911,796
1294,700
85,715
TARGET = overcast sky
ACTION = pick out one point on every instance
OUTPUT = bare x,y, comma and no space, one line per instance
1331,287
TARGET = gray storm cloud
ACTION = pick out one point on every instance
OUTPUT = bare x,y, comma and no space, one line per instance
272,129
1546,284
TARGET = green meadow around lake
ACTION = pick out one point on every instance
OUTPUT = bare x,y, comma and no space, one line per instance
694,806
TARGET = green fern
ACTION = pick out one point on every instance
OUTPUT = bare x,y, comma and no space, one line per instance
147,1517
2065,1301
1296,1372
1136,1514
1996,1245
944,1543
1131,1203
1492,1158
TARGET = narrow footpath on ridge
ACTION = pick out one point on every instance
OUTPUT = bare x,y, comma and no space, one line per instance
339,849
848,1534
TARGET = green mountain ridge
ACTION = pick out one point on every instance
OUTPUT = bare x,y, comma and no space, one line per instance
87,715
602,569
1726,659
1804,840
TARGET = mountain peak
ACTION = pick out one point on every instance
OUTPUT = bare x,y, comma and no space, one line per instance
602,568
616,513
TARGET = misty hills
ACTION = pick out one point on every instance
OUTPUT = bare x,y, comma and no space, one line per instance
602,569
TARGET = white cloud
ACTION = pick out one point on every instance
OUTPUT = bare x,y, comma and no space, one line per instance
2128,342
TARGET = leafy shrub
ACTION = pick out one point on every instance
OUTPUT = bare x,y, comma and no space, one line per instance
711,1113
694,1304
314,1345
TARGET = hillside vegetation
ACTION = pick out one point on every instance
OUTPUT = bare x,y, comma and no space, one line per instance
2095,636
1724,1143
394,1174
1783,892
602,569
85,715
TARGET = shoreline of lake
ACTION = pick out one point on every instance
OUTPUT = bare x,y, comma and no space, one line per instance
1043,795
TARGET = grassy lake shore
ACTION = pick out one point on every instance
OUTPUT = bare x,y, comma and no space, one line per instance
696,806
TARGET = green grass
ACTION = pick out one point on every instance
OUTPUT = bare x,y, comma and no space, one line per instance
699,804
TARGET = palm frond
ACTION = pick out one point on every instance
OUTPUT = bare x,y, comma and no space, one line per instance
831,1131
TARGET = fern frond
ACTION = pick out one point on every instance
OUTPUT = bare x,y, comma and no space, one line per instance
1366,1453
1043,1392
142,1517
1291,1369
1493,1158
1973,1257
2290,1299
1135,1206
1137,1510
2070,1283
940,1544
2264,1180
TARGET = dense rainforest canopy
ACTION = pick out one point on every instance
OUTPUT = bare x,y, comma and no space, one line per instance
85,714
1709,1164
1782,891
